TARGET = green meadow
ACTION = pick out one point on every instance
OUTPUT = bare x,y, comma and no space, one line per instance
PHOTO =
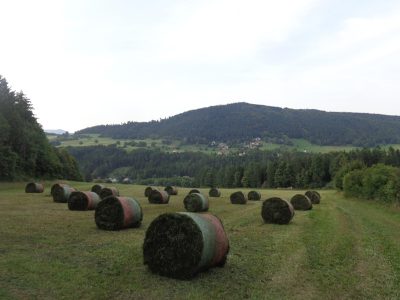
342,249
96,139
301,145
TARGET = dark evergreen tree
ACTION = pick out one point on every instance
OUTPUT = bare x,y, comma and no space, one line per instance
24,148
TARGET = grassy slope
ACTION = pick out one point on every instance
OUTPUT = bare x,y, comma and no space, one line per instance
90,140
305,146
341,249
298,145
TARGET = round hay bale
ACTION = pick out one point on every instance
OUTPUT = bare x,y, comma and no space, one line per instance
108,191
97,188
194,191
57,186
179,245
196,202
254,195
158,197
314,196
214,192
238,198
147,191
83,200
171,190
301,202
34,187
115,213
277,211
62,192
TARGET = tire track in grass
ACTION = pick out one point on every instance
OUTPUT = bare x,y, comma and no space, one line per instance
379,268
292,249
332,245
291,255
275,256
263,260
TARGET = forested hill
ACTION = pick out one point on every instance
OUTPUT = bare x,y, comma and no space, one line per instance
244,121
25,151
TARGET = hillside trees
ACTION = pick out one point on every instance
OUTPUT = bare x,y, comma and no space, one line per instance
241,122
24,148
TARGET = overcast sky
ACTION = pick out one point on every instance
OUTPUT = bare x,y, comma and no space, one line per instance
84,63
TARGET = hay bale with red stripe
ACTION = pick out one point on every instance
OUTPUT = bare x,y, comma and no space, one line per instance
108,191
180,245
148,190
194,191
159,197
277,211
314,196
83,200
238,198
301,202
171,190
214,192
34,187
57,186
254,195
196,202
97,188
116,213
62,192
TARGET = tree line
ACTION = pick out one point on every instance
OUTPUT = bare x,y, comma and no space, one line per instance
24,149
271,169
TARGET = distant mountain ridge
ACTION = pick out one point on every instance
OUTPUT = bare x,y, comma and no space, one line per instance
244,121
55,131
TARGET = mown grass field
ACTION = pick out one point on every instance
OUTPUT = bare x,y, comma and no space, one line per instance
342,249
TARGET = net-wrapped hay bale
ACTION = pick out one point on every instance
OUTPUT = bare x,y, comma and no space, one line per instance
148,190
180,245
83,200
214,192
238,198
194,191
97,188
301,202
171,190
196,202
109,191
57,186
62,192
34,187
254,195
314,196
115,213
159,197
277,211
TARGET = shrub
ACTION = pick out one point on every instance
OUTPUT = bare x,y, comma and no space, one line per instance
379,182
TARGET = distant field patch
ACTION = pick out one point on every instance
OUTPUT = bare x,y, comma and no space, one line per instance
300,145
